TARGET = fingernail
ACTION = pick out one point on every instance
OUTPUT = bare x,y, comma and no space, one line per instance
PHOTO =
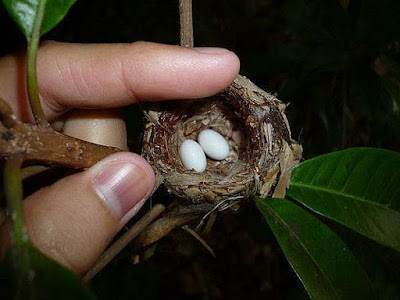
122,185
211,50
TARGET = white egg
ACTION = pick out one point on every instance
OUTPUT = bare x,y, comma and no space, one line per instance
192,156
213,144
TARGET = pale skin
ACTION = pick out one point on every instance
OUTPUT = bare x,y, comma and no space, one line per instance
73,220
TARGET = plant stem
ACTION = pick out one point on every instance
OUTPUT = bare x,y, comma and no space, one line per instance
33,43
13,194
186,23
20,246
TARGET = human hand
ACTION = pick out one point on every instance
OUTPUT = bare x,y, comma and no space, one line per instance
73,220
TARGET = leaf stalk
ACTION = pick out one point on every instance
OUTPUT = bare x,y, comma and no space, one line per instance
32,85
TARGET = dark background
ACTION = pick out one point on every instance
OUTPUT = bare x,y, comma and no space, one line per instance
338,65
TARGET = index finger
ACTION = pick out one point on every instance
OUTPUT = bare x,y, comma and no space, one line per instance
113,75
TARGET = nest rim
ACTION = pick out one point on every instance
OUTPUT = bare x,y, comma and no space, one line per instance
254,124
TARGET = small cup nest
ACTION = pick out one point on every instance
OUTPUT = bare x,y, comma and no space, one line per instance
254,124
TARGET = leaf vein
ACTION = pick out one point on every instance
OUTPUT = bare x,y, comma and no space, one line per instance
289,229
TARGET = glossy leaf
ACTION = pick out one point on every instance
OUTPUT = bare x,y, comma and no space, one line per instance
46,280
359,188
380,263
323,262
24,12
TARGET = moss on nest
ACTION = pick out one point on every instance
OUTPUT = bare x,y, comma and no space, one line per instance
256,128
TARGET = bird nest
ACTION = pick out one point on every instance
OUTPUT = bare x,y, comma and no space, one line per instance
254,124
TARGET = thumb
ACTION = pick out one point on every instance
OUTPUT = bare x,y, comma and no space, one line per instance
73,220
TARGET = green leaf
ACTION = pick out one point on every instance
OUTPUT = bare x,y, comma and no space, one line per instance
46,280
380,263
26,273
323,262
24,13
359,188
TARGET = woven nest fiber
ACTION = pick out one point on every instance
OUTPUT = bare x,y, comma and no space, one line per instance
253,122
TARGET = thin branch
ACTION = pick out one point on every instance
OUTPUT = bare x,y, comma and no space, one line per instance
200,239
161,228
186,23
180,216
45,146
32,170
123,241
210,223
32,85
7,118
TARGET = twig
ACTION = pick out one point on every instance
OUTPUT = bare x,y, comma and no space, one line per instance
32,170
162,227
210,223
200,239
186,23
146,255
7,118
123,241
43,145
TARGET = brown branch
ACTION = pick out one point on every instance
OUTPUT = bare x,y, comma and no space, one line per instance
123,241
200,239
43,145
7,118
186,23
32,170
210,223
162,227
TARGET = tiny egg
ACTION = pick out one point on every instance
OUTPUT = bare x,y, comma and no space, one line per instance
192,156
213,144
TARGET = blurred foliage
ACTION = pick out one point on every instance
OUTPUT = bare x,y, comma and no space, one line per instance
45,280
25,12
